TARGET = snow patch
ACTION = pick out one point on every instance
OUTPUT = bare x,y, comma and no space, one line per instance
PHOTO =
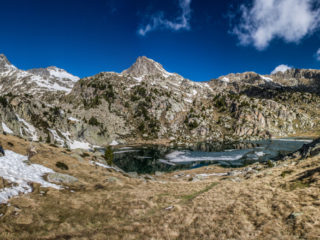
194,92
138,79
73,119
194,156
62,74
225,79
293,140
56,137
260,154
105,166
77,144
266,78
188,100
29,128
114,143
14,169
211,174
6,128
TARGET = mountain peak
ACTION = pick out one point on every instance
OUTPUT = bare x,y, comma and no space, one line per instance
146,66
5,64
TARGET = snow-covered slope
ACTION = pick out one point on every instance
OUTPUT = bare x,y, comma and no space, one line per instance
34,81
13,168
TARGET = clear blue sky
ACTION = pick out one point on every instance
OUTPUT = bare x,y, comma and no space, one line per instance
192,38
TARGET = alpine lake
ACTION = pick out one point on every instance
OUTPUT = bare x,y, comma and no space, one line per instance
147,159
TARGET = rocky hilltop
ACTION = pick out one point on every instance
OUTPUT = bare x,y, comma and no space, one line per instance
145,103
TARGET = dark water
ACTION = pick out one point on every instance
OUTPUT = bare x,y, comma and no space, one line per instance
151,158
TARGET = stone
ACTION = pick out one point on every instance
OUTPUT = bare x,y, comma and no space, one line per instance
112,179
158,174
295,215
234,173
148,177
133,174
76,156
61,178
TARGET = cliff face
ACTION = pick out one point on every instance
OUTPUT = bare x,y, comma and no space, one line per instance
146,102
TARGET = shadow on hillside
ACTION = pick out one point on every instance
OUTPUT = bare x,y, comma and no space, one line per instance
273,91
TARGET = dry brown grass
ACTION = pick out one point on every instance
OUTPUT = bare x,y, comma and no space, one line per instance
108,205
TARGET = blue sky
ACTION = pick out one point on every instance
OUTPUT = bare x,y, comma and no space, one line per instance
199,39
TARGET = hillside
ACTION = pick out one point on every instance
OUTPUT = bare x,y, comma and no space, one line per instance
263,201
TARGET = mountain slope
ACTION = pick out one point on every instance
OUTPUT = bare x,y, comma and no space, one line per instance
147,103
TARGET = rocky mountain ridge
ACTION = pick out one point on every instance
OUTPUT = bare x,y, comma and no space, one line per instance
147,103
37,82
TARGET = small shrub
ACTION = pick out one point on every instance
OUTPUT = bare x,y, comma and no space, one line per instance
108,155
10,144
55,110
286,172
48,140
141,127
85,155
98,186
93,121
62,166
3,101
270,164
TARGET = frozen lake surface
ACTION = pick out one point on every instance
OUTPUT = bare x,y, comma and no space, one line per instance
151,158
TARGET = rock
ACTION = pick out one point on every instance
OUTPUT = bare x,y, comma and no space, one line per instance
61,178
76,156
31,151
158,174
169,208
133,174
307,150
236,179
295,215
112,179
200,177
234,173
148,177
194,179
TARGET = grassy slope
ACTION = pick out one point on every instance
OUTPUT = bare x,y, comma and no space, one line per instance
108,205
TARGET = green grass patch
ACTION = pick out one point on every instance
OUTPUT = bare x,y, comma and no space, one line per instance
298,184
286,172
196,194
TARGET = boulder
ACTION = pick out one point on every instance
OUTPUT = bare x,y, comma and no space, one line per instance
61,178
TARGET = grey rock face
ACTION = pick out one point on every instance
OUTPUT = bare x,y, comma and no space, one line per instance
145,66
